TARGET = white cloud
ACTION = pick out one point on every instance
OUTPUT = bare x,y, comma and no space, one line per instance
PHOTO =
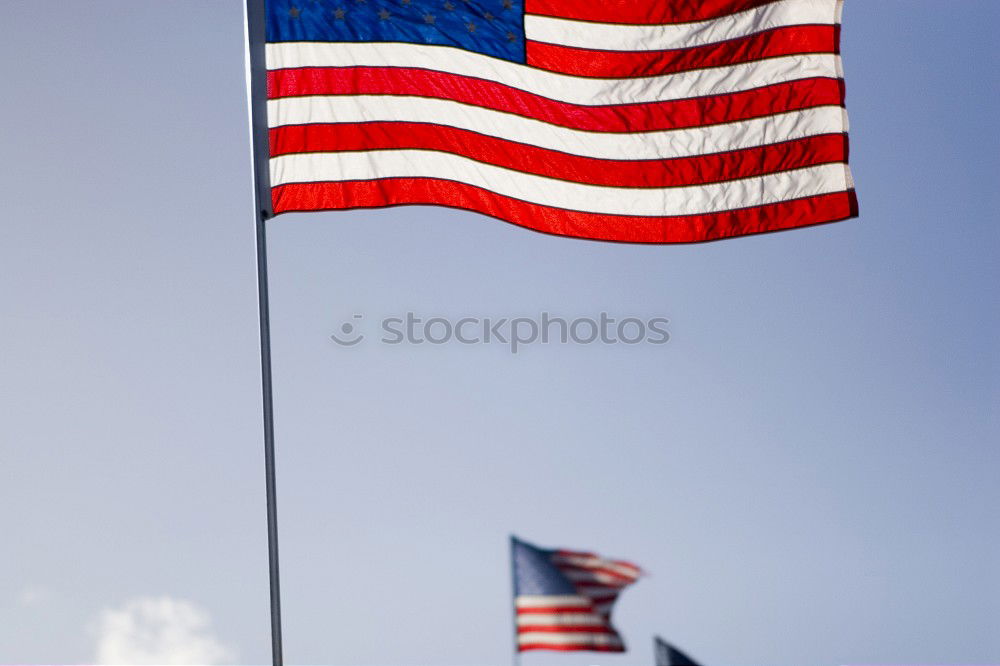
159,630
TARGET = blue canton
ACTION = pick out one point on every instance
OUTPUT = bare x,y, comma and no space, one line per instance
490,27
534,573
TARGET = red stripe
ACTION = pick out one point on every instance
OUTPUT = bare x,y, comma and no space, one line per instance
640,11
674,172
601,600
611,572
557,609
793,40
675,114
626,228
562,552
570,647
594,583
563,628
595,587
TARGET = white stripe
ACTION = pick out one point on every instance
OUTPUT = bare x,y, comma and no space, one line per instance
567,638
620,37
311,167
560,87
550,601
660,144
565,619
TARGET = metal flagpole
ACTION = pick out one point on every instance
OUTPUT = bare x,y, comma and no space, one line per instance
255,34
516,661
272,510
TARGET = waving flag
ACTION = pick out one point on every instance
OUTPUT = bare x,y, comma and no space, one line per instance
625,120
668,655
563,598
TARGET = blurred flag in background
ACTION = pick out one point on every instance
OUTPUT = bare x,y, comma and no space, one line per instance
668,655
563,598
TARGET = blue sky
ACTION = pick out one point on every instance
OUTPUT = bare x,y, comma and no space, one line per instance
808,469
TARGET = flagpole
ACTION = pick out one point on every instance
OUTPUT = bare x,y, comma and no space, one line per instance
255,36
268,404
516,660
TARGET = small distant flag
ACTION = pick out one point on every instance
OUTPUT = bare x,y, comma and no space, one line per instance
563,598
668,655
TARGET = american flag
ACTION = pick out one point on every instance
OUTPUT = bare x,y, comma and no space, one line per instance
563,598
625,120
669,655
